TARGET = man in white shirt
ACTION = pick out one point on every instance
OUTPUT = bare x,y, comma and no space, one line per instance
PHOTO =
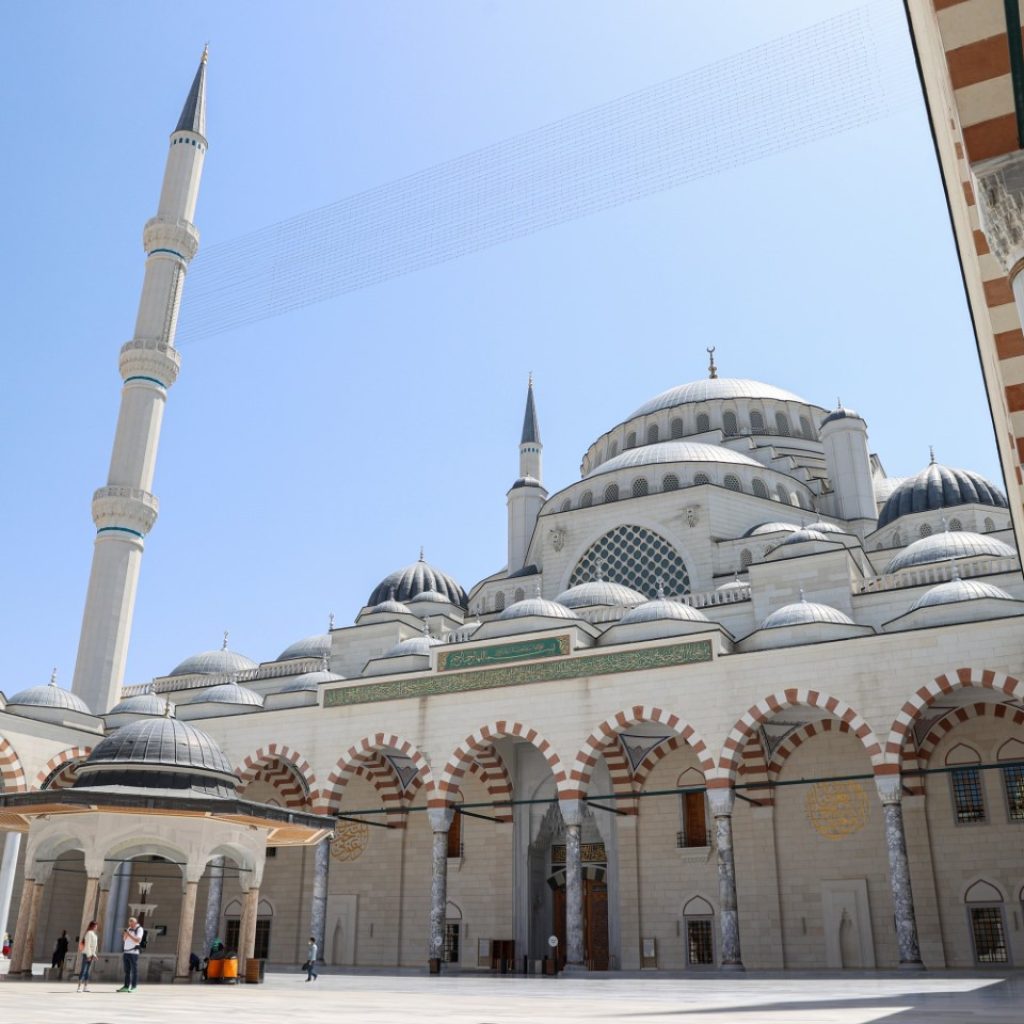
132,936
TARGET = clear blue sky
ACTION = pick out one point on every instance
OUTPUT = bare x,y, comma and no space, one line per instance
305,457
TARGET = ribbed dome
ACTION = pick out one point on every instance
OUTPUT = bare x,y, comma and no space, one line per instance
661,608
757,531
801,612
391,608
600,592
229,693
803,535
310,681
673,451
161,753
415,579
214,663
52,696
315,646
710,389
537,606
937,487
958,590
941,547
414,645
141,704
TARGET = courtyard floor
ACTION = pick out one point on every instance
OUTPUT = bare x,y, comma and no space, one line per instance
381,998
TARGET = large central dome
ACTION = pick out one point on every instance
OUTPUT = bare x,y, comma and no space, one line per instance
713,388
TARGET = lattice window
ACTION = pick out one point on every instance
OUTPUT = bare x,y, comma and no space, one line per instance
968,801
611,492
652,434
760,488
700,479
756,422
631,439
781,493
805,428
746,558
520,594
989,525
639,487
700,950
703,423
499,601
566,505
670,482
729,424
636,557
988,935
613,449
955,525
925,531
586,499
1013,786
676,428
450,952
733,483
782,424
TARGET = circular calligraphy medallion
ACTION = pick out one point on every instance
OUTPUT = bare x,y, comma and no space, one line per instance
836,809
350,840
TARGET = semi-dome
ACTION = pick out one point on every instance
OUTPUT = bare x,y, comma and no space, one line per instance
938,487
957,590
536,606
673,451
404,584
414,645
310,681
140,704
712,388
229,693
161,753
802,612
315,646
661,608
214,663
51,696
600,592
762,528
941,547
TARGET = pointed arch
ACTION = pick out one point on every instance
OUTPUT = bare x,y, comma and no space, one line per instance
284,769
957,716
798,737
490,768
368,753
12,774
58,772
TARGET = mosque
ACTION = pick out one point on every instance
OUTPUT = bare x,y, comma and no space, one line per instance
737,699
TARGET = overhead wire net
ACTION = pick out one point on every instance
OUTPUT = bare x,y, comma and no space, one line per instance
833,76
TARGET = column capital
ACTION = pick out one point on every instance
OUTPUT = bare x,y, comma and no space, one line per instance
721,801
890,788
440,818
1000,191
572,812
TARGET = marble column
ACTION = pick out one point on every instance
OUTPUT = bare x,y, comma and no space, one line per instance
440,822
890,790
721,801
318,911
186,923
117,907
214,898
572,815
247,928
8,869
28,920
92,888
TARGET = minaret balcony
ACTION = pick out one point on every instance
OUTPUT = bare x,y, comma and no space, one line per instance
126,508
150,359
179,237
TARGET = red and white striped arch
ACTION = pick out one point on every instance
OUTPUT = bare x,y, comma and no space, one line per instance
12,774
284,769
489,767
981,709
367,754
58,772
798,737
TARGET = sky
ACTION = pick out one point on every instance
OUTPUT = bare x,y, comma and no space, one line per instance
306,456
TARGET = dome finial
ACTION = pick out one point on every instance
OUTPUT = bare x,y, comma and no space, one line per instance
206,53
330,621
224,646
426,629
712,369
803,596
325,662
168,709
661,589
536,589
53,676
954,572
931,455
422,559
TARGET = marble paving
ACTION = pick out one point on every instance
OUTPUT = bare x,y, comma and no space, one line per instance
383,998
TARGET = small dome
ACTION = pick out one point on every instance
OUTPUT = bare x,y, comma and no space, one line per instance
841,414
673,451
941,547
315,646
803,535
391,608
938,487
957,590
214,663
536,606
736,584
602,592
661,608
405,584
430,597
822,527
310,681
715,388
414,645
141,704
52,696
757,531
229,693
802,612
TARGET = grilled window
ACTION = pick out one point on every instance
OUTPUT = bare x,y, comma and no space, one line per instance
637,558
968,801
1013,786
676,428
988,935
700,950
652,434
670,482
639,487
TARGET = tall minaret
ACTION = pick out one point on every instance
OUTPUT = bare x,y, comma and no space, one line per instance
527,494
124,511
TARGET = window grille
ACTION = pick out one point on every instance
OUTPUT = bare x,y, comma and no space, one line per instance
968,800
760,488
756,423
639,487
676,428
989,525
805,428
729,424
988,935
670,482
520,594
780,493
955,524
586,499
566,505
700,479
652,434
925,531
782,424
611,492
450,950
703,423
746,558
499,601
631,439
700,950
733,483
637,558
613,449
1013,786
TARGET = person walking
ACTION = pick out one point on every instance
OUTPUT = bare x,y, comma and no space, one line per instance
89,946
60,951
132,936
311,955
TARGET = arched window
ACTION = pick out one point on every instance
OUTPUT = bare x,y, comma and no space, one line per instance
746,558
703,423
566,505
955,524
729,423
700,479
652,434
781,494
670,482
756,422
1013,778
520,594
733,483
699,935
988,928
693,811
611,492
782,424
805,428
631,439
455,834
613,449
499,601
599,457
635,557
897,538
586,499
639,487
760,488
989,524
925,531
968,797
676,428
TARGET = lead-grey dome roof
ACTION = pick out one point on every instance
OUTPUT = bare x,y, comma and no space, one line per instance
941,547
414,645
600,592
430,597
802,612
841,414
415,579
537,606
52,696
937,487
315,646
214,663
229,693
803,535
756,531
673,451
140,704
957,590
710,389
661,608
310,681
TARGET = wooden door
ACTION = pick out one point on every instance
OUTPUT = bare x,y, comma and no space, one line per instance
596,924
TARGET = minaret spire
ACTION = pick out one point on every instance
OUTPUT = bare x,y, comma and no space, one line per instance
125,509
527,494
